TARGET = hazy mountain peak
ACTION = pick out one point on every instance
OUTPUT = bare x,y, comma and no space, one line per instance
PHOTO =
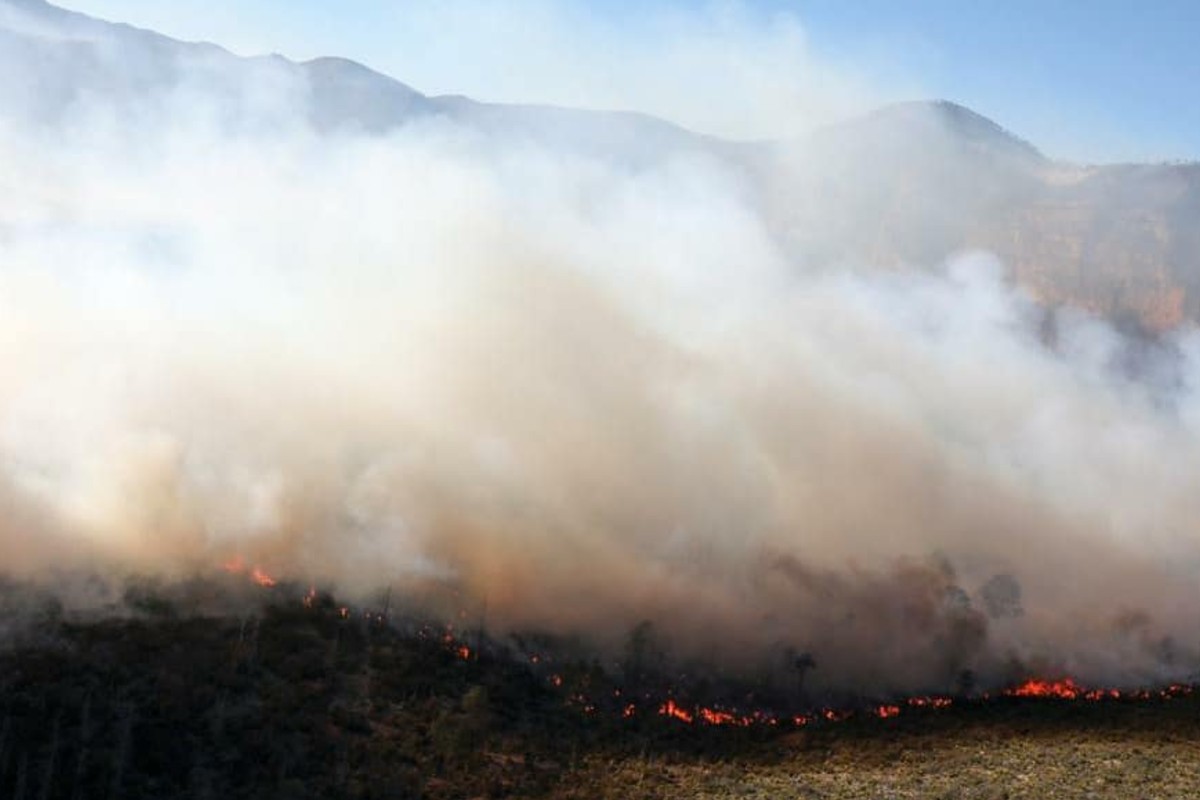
919,120
976,126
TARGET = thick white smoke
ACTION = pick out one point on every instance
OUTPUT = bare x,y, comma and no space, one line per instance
588,390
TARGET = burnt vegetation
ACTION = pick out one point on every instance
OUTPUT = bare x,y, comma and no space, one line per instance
196,693
298,697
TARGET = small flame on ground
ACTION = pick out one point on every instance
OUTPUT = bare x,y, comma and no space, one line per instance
930,702
672,709
1065,689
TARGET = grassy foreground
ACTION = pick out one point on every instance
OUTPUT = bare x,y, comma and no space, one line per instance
1147,753
297,701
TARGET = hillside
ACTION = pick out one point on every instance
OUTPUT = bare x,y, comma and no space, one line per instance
934,178
295,700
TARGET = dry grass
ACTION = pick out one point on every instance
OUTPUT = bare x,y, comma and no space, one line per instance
1119,753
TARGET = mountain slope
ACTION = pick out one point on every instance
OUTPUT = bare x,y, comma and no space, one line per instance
58,61
907,185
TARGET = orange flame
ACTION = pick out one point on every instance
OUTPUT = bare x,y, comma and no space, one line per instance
1065,689
707,716
671,709
237,566
929,702
1061,689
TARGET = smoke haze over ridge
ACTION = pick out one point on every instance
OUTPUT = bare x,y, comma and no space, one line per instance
589,386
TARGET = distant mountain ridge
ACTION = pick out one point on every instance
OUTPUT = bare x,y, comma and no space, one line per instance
77,56
902,187
918,116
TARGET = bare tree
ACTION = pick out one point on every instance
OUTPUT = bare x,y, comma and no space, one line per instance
121,752
52,757
85,737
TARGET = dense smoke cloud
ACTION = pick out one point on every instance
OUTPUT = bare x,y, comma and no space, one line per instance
585,390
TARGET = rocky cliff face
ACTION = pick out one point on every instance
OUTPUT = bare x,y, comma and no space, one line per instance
1123,241
912,184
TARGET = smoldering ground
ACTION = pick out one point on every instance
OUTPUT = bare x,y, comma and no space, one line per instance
584,388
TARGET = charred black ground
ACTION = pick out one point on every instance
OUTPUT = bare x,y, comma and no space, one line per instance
296,696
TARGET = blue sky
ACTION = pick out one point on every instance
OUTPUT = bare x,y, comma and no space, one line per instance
1088,81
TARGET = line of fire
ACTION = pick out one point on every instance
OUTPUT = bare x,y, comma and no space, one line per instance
580,690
